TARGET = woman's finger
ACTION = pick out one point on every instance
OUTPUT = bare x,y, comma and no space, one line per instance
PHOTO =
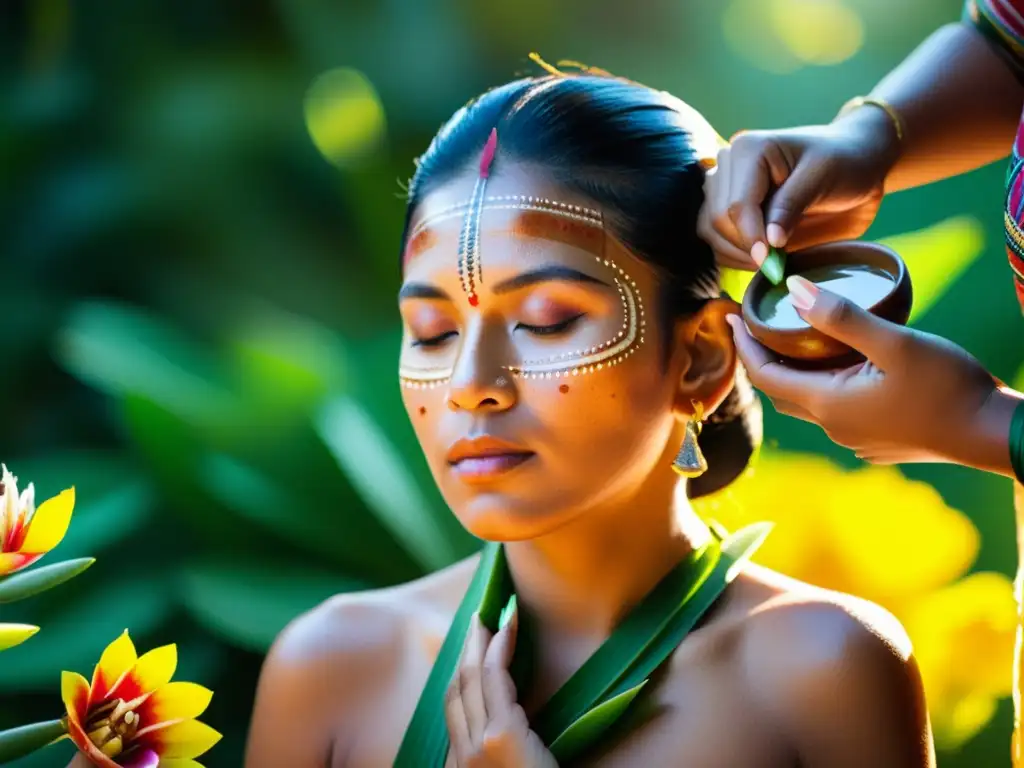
458,726
499,689
777,381
470,679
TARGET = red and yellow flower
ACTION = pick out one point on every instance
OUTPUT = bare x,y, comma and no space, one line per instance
131,714
27,533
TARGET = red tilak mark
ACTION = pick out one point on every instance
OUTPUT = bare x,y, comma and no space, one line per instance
474,300
423,411
564,389
488,156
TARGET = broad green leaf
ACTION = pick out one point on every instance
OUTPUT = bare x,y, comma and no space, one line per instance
19,742
583,733
18,586
425,742
122,350
248,602
937,256
76,631
15,634
377,470
287,361
297,516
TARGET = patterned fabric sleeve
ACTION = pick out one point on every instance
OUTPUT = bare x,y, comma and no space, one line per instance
1002,22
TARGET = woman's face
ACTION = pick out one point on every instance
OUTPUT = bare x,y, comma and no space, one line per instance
532,367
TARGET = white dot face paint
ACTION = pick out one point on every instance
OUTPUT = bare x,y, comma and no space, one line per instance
628,337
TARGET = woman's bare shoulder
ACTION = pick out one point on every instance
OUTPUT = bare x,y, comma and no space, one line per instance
336,655
358,627
826,667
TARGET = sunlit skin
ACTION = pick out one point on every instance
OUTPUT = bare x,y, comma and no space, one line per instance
781,674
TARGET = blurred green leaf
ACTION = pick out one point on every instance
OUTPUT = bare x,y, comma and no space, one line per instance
18,586
77,632
249,602
378,473
19,742
121,350
108,519
937,256
289,513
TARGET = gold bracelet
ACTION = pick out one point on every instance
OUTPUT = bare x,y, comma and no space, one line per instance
862,101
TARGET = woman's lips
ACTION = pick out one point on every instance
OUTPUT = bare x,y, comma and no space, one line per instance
480,468
484,458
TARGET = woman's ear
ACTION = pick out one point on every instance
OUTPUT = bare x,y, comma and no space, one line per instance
708,357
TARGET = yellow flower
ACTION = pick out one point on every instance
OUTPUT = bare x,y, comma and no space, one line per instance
132,714
874,533
27,533
964,636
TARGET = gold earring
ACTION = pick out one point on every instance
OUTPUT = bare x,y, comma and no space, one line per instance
690,462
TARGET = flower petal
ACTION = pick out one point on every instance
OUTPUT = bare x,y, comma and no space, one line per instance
15,561
86,747
145,758
74,690
117,659
153,670
15,634
50,523
178,762
174,701
186,739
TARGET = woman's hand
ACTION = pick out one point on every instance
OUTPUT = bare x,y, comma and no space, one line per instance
488,729
824,182
916,398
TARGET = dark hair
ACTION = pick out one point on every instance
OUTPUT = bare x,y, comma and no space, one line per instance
636,152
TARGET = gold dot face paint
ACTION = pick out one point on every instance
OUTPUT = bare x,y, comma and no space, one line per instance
538,219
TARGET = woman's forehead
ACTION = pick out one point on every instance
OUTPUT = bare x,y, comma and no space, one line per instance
512,181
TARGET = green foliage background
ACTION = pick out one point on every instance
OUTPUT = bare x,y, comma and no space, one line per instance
197,323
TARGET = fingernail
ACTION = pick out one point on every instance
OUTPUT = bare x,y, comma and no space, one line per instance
759,253
776,235
733,322
508,612
803,293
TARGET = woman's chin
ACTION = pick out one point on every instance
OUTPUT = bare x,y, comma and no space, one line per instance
500,517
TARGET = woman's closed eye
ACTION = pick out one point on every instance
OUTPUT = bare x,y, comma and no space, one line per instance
434,341
551,329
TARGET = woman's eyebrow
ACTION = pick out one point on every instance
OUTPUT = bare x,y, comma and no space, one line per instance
422,291
554,272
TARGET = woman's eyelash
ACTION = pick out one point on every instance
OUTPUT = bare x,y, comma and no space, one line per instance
537,330
551,330
434,341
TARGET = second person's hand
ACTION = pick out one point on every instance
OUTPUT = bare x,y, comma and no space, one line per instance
797,187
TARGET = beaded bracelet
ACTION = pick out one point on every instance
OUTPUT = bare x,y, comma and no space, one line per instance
1017,442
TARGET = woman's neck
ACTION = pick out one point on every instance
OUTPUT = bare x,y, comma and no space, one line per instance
581,580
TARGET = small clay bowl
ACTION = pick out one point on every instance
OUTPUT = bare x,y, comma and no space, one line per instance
801,345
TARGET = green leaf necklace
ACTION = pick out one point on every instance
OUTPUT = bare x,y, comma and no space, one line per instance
601,690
